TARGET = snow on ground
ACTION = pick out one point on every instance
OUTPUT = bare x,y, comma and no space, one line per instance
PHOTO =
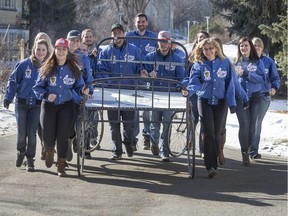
274,136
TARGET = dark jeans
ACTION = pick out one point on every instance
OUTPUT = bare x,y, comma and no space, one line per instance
56,122
247,122
128,129
212,118
27,117
264,105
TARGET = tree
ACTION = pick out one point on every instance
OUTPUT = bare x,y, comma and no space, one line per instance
130,8
245,16
55,17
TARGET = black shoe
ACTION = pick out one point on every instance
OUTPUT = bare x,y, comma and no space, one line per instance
116,156
212,172
129,150
155,149
88,156
29,164
146,144
20,158
164,158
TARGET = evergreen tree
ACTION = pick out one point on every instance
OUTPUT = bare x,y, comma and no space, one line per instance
245,17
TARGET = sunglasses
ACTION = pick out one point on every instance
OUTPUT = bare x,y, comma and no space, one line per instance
208,49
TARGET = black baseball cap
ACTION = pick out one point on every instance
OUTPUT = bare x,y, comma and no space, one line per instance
73,34
117,26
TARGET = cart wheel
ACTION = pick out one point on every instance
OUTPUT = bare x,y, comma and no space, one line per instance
177,134
80,146
94,129
190,142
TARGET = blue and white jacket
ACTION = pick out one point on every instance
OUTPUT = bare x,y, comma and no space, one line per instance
85,67
253,77
21,81
213,80
169,70
146,46
63,84
127,53
271,73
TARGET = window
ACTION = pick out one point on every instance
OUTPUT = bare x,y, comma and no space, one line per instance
8,4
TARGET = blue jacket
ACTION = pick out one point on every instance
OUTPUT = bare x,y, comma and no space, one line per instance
213,80
84,63
21,81
168,71
63,84
253,76
271,73
126,53
146,46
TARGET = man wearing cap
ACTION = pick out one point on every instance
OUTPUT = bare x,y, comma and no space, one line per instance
163,53
73,38
146,46
119,49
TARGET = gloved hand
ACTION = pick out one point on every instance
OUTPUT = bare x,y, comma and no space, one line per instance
246,105
6,104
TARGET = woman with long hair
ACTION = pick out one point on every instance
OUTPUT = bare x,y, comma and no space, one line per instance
59,79
27,106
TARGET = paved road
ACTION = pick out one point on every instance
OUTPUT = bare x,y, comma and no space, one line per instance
141,186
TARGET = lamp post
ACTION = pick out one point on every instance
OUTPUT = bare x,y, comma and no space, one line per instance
207,21
188,32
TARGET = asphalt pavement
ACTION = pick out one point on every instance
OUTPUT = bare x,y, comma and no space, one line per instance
142,185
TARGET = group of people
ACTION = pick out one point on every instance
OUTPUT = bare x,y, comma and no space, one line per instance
49,86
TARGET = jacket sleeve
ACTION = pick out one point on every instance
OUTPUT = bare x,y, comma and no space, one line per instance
258,76
194,83
13,82
40,88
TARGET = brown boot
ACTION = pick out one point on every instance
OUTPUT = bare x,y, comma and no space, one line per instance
61,167
221,158
49,159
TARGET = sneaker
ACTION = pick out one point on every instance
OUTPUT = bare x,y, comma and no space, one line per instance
212,172
134,147
61,164
30,164
245,159
146,144
129,150
20,158
155,150
256,156
49,160
88,155
164,158
116,156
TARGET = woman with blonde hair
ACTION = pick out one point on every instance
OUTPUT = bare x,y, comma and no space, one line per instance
211,78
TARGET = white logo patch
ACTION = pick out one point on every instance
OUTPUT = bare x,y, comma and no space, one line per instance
221,73
251,67
68,81
128,57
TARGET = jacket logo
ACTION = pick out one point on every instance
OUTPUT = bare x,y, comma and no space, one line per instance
28,73
128,57
68,81
149,48
53,80
221,73
207,75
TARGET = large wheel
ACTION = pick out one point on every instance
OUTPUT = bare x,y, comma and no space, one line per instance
94,129
80,145
190,141
177,134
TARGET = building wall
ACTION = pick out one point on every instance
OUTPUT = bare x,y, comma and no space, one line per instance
10,13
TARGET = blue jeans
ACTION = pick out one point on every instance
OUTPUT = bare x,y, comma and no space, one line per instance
247,122
27,117
157,118
147,124
128,129
264,105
